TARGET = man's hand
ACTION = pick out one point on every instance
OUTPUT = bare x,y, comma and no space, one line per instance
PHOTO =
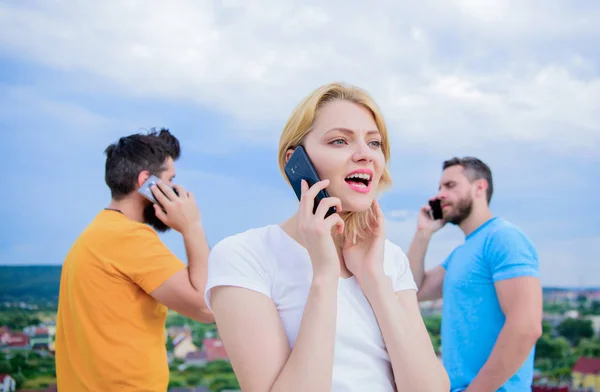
178,212
425,223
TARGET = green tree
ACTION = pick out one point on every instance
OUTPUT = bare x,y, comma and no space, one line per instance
224,381
170,345
588,348
593,309
17,320
433,324
194,380
546,327
175,384
575,329
551,348
19,380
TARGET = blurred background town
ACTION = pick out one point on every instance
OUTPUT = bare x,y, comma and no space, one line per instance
567,355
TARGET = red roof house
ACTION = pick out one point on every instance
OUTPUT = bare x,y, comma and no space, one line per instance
214,349
587,365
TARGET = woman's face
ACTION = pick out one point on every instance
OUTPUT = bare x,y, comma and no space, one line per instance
345,147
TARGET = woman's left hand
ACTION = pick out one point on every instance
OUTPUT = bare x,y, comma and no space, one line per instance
365,258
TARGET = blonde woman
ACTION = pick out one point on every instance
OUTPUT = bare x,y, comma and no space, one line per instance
325,304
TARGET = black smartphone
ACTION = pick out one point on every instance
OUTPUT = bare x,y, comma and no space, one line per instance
147,192
436,209
299,168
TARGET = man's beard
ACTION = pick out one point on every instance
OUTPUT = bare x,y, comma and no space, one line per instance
151,219
461,211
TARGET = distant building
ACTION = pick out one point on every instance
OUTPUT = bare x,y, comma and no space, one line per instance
586,373
5,335
14,341
215,350
183,345
196,358
574,314
7,383
174,332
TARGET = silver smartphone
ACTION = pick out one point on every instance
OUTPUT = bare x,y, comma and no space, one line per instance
147,192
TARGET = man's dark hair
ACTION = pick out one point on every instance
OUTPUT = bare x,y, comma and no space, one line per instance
132,154
474,169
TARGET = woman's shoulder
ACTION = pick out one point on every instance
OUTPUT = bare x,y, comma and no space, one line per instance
255,245
397,266
394,252
253,239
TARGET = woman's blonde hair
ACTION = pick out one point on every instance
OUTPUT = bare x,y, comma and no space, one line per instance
300,123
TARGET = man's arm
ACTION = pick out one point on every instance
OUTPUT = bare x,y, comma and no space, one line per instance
430,282
521,302
184,291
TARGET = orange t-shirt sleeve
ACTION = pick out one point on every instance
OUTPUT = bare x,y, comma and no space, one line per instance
148,262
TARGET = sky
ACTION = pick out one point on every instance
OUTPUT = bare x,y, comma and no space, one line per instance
512,83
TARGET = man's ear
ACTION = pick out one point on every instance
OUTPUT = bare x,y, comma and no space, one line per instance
482,186
142,177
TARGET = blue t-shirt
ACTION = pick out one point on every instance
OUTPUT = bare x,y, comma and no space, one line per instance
471,314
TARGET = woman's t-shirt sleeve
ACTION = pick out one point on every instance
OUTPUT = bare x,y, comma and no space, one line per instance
236,261
404,278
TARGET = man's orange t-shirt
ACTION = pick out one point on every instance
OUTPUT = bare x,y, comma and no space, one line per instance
110,333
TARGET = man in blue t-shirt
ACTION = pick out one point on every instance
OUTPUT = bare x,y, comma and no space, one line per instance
492,296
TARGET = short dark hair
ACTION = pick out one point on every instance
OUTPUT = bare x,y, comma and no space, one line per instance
474,169
132,154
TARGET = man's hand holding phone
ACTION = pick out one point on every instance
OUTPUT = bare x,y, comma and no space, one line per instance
179,212
425,221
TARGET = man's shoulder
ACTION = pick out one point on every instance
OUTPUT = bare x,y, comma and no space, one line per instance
504,230
109,222
505,236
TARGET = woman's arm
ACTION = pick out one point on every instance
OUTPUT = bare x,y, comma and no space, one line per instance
249,323
415,365
258,347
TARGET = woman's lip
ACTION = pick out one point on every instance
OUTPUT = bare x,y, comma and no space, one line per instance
358,188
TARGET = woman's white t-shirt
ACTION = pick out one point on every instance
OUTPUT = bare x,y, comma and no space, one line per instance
268,261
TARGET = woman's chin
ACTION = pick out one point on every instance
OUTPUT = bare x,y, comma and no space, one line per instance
357,204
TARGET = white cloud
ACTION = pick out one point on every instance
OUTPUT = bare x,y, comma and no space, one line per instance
466,73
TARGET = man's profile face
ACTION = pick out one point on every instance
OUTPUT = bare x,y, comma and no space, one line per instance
455,195
150,217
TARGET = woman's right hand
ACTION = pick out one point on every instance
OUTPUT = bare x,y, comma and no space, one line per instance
315,231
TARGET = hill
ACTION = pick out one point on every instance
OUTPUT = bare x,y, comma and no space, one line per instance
40,283
29,283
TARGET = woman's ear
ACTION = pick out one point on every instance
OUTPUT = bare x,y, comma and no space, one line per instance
288,154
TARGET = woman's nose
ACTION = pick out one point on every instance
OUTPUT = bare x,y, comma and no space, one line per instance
362,152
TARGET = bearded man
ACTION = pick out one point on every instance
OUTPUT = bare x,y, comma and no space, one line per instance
119,279
490,285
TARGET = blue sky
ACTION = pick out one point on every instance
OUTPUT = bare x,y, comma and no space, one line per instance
516,85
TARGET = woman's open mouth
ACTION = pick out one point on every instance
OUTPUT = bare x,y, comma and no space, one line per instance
360,180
